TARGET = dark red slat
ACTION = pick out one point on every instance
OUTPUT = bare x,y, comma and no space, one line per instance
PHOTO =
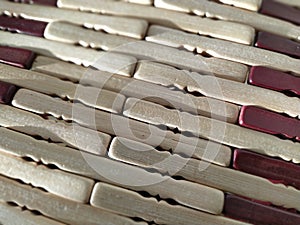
31,27
275,170
280,10
269,122
16,57
278,44
258,214
7,91
274,79
40,2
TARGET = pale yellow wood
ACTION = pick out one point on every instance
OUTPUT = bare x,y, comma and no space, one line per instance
139,89
184,192
242,94
65,185
225,179
73,34
15,216
226,133
118,125
61,209
228,13
246,4
73,135
224,49
295,3
219,29
135,28
117,200
91,96
111,62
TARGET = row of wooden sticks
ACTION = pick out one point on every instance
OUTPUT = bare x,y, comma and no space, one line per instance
49,78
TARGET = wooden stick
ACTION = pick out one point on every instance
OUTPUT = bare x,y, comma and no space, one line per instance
111,62
94,97
218,131
15,215
194,195
79,137
241,94
225,179
219,29
60,183
117,125
117,200
223,49
134,88
61,209
135,28
246,4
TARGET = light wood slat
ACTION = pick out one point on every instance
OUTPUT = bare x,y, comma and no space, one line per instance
60,183
228,13
73,135
117,125
223,49
135,28
225,179
73,34
219,29
295,3
94,97
117,200
241,94
186,193
131,87
143,2
61,209
229,134
16,216
246,4
111,62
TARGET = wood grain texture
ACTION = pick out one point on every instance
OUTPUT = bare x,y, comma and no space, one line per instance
225,179
61,209
117,125
117,199
224,49
15,215
90,96
139,89
60,183
66,159
218,131
219,29
226,90
72,135
111,62
135,28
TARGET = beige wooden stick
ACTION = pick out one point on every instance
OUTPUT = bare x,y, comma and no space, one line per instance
224,49
80,137
121,126
117,200
229,134
94,97
219,29
135,88
15,216
186,193
60,183
135,28
73,34
295,3
225,179
61,209
246,4
241,94
111,62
